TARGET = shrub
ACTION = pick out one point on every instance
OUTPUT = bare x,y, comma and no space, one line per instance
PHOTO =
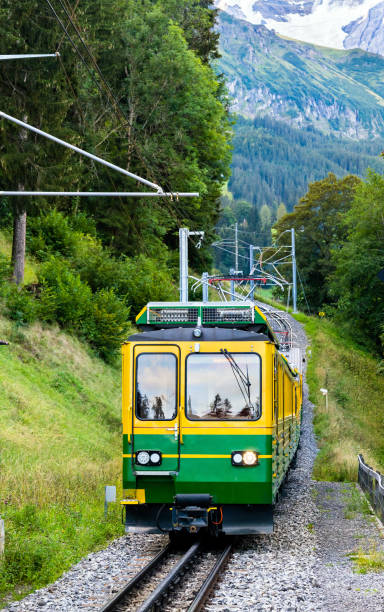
5,274
108,323
52,234
20,305
100,318
65,298
142,279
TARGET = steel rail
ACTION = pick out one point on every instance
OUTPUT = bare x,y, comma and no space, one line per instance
116,599
210,581
164,585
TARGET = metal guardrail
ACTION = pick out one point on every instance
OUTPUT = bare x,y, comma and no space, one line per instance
372,483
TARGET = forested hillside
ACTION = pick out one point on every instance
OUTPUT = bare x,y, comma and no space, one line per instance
274,162
133,84
339,232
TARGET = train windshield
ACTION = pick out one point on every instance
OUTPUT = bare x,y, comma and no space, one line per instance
156,386
221,390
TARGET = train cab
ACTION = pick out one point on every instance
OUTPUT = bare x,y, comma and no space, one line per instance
211,417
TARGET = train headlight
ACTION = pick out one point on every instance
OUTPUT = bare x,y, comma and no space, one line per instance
237,458
197,332
250,458
245,458
147,457
142,458
155,458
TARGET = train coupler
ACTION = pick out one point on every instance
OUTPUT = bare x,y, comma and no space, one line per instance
191,512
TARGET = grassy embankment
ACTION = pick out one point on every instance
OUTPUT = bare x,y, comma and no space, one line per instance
59,445
353,422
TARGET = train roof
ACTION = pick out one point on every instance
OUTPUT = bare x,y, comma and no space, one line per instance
209,334
226,315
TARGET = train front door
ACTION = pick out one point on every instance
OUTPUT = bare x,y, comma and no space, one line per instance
155,418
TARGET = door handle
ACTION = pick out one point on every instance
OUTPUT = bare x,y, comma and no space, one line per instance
175,429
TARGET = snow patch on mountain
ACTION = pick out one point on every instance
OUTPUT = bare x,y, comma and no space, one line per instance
330,23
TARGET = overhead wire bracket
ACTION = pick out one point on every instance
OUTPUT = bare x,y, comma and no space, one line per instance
158,193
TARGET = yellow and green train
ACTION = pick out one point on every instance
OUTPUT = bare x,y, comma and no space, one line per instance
211,419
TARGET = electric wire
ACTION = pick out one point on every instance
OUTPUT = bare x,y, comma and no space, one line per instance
302,286
115,107
74,45
231,252
95,65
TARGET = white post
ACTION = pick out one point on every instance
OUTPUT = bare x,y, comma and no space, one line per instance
183,246
2,537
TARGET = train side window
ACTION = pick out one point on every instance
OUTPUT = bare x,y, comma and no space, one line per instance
219,389
156,386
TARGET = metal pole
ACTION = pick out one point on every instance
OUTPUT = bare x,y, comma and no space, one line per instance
81,151
205,287
294,280
109,194
231,272
183,254
252,294
29,56
236,250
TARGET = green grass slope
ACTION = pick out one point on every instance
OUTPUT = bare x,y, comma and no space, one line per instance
353,422
59,446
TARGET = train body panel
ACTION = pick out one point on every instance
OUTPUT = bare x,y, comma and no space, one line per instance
192,409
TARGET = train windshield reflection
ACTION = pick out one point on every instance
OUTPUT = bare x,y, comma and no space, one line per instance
214,391
156,387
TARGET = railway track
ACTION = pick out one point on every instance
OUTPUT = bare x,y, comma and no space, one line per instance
174,580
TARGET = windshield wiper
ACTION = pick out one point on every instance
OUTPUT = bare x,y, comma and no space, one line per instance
242,380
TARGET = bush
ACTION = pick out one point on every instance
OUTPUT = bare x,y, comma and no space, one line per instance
53,234
143,280
5,274
20,305
101,318
108,324
65,298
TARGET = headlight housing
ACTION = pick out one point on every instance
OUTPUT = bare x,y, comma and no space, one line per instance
148,457
245,458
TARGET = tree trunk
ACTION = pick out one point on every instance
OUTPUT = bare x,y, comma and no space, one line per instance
18,244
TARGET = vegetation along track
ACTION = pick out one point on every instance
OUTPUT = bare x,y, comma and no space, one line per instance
176,579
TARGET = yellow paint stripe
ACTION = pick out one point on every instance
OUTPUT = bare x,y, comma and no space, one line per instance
206,431
203,456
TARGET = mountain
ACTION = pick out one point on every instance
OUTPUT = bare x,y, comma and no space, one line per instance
333,91
302,111
333,23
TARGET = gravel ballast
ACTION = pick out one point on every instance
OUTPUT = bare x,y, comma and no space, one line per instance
303,566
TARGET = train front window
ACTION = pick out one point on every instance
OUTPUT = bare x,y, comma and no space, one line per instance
156,386
223,387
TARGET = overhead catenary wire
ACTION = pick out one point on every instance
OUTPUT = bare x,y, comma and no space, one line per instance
95,65
74,45
115,107
302,286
